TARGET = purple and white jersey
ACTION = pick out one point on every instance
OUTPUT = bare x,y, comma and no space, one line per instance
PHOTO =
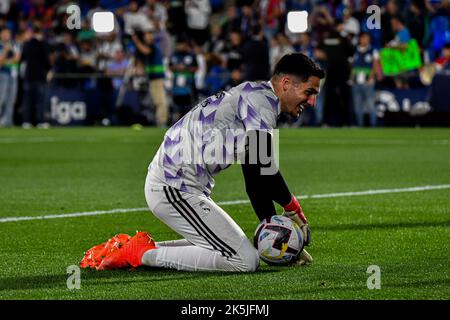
210,136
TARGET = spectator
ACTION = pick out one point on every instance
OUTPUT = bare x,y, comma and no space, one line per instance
443,61
117,67
256,56
176,22
135,20
304,45
320,58
247,21
360,9
164,42
390,11
149,53
438,91
42,12
217,5
197,12
363,78
235,79
200,74
9,60
158,16
183,65
427,21
271,13
66,61
233,52
36,61
107,46
299,5
68,41
241,3
112,4
416,20
280,46
88,56
438,28
321,23
351,26
337,105
5,6
231,21
402,37
156,12
59,25
217,74
216,44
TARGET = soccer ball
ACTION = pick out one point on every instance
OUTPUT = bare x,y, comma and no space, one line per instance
279,240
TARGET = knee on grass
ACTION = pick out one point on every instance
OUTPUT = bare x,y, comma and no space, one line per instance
247,259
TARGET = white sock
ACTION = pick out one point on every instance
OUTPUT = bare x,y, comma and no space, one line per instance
173,243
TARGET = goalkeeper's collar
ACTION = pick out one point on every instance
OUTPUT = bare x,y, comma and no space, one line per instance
279,106
271,86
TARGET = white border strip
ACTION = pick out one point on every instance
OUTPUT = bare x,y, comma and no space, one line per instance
228,203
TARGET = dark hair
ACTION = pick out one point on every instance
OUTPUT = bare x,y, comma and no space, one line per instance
182,38
447,45
256,29
37,28
299,65
420,4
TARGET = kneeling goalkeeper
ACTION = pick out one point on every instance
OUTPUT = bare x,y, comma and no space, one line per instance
178,191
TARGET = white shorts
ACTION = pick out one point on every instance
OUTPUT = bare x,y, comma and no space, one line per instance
203,224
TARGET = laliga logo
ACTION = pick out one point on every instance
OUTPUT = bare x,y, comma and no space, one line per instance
386,101
64,112
102,21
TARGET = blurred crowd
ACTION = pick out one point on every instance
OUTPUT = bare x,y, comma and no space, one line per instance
176,52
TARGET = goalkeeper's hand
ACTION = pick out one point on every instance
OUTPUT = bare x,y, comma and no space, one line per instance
294,211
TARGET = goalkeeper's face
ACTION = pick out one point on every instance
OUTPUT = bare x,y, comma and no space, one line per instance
295,96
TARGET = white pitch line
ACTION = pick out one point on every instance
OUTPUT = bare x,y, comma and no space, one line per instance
29,139
71,215
13,140
379,191
227,203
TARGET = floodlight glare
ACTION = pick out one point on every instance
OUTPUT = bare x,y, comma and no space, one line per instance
297,21
103,22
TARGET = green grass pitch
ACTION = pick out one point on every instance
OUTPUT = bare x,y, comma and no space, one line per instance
88,169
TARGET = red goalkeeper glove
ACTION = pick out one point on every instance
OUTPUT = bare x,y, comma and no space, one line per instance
294,206
294,211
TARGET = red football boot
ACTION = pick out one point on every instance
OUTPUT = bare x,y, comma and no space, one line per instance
130,255
94,256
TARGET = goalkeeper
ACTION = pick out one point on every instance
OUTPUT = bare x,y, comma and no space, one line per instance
180,177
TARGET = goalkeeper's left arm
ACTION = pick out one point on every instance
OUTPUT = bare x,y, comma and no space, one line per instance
263,189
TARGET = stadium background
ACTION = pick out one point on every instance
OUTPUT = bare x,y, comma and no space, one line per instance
104,79
373,197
